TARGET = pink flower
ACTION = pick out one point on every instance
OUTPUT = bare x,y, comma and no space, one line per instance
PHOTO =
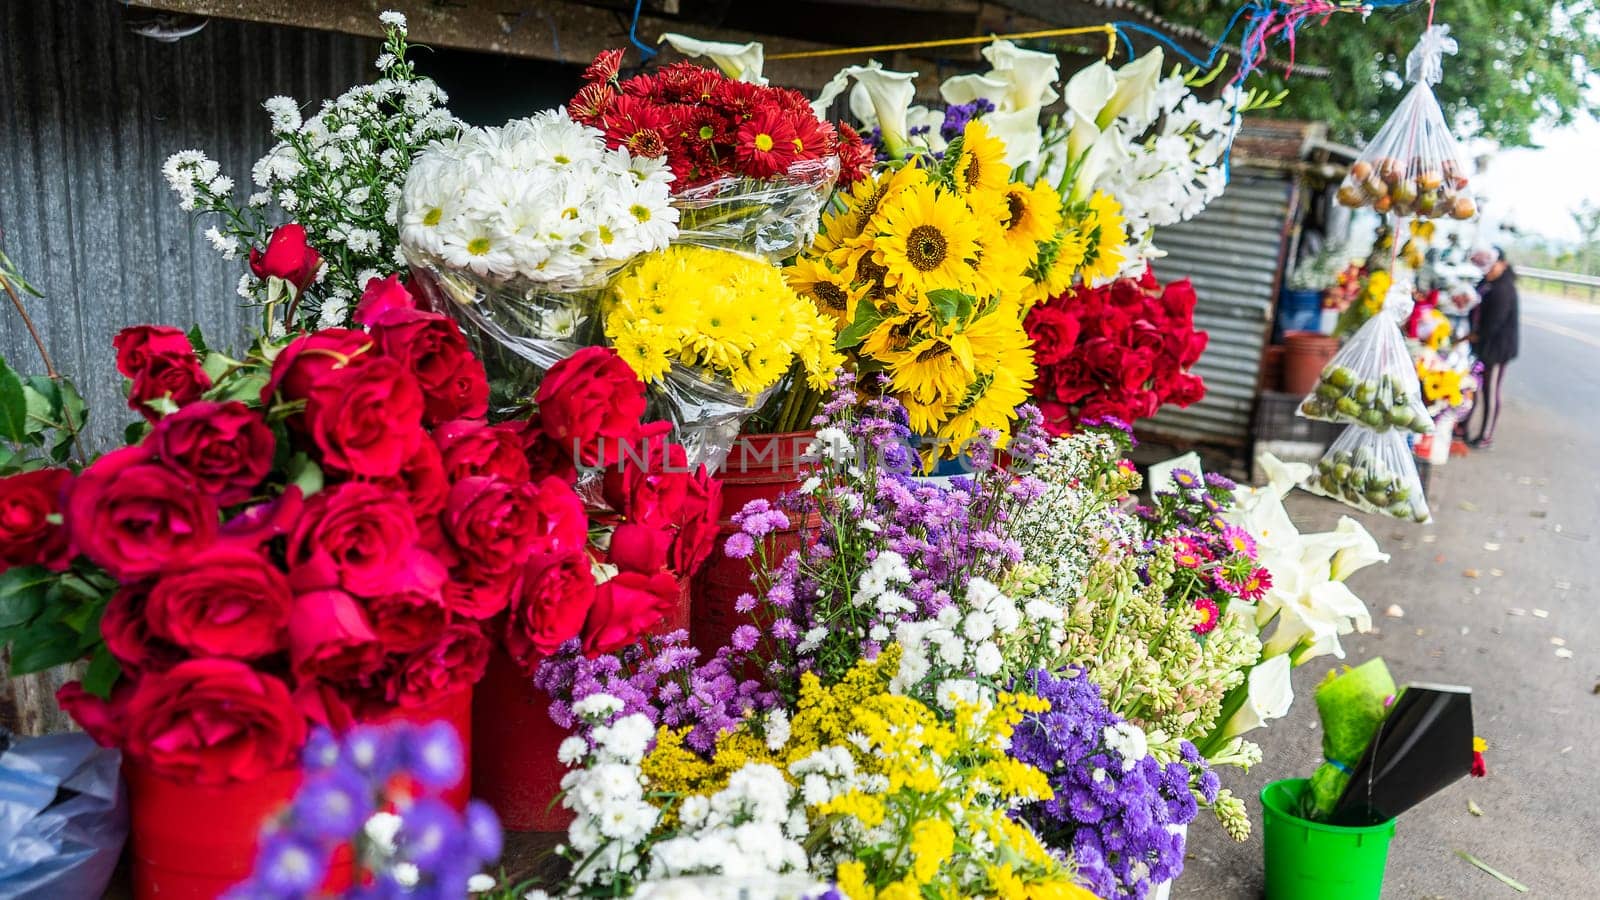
1213,614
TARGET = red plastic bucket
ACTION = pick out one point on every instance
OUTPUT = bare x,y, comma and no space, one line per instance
763,467
193,842
1305,355
514,764
724,578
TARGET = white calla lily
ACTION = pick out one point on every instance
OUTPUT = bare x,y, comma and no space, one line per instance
1303,632
1030,75
889,94
1088,91
1019,130
1363,550
836,85
1106,151
961,89
1281,476
1270,694
1135,94
742,62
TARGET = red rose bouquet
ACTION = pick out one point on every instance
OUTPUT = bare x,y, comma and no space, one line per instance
329,529
753,165
1121,351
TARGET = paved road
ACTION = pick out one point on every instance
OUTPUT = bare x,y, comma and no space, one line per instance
1525,518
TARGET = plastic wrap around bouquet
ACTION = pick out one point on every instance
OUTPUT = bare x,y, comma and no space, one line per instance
712,332
515,232
774,218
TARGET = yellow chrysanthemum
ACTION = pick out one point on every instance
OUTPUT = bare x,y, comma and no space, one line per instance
925,239
1033,215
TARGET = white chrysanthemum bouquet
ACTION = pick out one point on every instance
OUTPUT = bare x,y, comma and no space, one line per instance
540,199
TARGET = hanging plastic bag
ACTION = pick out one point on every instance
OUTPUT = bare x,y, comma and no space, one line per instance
63,816
1372,382
774,218
1372,471
1414,166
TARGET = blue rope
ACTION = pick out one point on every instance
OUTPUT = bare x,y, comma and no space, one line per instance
633,31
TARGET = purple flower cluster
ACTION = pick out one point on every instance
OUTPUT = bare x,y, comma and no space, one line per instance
423,849
659,678
1110,812
956,117
946,533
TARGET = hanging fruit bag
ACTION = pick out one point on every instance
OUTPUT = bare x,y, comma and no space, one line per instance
1372,382
1372,471
1414,166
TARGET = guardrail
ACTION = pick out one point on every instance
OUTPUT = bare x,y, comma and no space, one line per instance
1585,285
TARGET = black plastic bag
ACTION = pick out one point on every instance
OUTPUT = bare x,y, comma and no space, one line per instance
63,816
1424,746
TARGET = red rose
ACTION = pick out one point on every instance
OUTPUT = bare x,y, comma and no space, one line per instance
141,346
1054,332
563,523
125,627
1104,358
1194,345
697,524
421,479
226,448
325,704
491,522
557,592
132,515
287,256
480,595
381,295
1137,367
212,721
455,660
307,360
1187,389
27,536
226,600
626,608
639,548
1178,300
105,720
366,420
473,447
649,483
545,456
589,403
331,639
431,347
161,364
261,522
407,621
361,538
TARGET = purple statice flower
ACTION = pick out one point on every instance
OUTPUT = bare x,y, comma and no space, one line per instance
660,679
1112,802
739,545
957,116
425,849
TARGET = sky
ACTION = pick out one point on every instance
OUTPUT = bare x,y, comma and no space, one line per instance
1535,188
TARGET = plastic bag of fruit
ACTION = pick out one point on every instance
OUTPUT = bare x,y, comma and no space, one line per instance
1414,166
1372,382
1372,471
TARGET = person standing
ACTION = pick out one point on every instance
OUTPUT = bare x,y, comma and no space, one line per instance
1494,336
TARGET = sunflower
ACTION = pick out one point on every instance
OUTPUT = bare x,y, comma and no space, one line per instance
990,404
1033,215
861,203
832,292
925,240
894,334
980,171
1001,271
1052,270
996,339
934,370
1106,230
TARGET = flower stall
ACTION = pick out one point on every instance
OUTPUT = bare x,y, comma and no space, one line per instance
466,549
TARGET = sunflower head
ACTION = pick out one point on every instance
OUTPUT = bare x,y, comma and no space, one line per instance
979,165
831,292
926,240
1033,214
1107,239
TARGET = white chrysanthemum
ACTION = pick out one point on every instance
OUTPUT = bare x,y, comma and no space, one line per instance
393,19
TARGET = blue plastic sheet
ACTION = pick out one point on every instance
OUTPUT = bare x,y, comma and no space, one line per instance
63,816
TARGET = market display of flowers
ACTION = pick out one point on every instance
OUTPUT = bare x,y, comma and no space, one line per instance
477,437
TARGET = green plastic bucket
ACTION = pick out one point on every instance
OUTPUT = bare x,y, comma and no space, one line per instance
1311,861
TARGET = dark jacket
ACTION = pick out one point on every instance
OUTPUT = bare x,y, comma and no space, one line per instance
1495,320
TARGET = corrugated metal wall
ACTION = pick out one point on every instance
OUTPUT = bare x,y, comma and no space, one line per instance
1232,251
90,111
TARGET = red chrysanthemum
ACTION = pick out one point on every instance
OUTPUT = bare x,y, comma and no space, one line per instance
812,139
766,144
855,156
605,67
642,127
591,103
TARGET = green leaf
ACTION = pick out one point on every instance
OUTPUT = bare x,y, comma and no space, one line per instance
305,474
102,674
197,340
10,462
13,406
22,593
244,386
867,318
44,403
74,411
950,306
44,646
135,432
215,365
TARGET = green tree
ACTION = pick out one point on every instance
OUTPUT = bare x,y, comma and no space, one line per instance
1521,63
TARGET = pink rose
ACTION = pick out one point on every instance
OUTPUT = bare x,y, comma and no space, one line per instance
132,515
